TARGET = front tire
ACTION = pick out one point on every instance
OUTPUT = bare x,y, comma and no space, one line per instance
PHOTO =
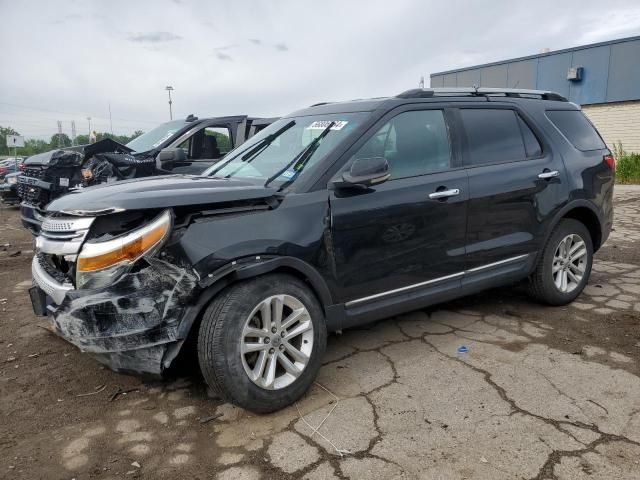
261,342
564,267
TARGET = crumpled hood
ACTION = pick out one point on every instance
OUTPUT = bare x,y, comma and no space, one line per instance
73,156
159,192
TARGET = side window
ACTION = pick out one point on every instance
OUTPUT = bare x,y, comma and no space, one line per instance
577,129
414,143
493,136
217,138
531,143
208,143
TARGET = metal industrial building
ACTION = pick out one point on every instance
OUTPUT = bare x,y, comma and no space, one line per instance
604,78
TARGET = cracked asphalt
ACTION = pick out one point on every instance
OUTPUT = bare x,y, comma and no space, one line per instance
492,386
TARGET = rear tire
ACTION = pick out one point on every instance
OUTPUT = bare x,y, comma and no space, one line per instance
244,360
564,266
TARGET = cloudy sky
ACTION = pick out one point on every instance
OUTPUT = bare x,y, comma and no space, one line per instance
66,60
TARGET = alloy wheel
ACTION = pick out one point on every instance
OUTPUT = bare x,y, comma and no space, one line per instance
277,341
569,263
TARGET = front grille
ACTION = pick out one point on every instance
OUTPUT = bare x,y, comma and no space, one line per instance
32,194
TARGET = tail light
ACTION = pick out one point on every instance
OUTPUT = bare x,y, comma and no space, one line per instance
610,160
21,167
3,169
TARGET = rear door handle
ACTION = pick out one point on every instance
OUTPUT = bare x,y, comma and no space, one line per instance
444,194
549,174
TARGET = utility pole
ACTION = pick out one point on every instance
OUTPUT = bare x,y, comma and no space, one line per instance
89,120
110,122
59,134
73,132
421,84
169,88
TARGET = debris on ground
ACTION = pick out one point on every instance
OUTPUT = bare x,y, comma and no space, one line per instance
212,417
120,391
98,389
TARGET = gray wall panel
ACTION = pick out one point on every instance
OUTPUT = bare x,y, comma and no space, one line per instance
624,72
495,76
522,74
449,80
469,78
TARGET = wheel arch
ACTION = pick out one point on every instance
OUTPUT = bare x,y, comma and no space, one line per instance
244,269
584,212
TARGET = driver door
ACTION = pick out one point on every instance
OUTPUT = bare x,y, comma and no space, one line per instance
408,233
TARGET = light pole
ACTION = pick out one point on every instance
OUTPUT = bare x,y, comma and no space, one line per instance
169,88
89,120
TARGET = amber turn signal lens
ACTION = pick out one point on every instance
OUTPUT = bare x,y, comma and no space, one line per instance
127,252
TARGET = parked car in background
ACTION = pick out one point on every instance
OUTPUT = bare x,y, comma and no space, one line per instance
181,146
334,216
9,189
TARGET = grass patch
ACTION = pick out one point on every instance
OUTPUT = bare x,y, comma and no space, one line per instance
627,165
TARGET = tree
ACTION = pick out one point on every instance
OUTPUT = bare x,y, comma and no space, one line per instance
33,146
60,140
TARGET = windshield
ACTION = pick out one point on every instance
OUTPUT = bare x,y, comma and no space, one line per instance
154,138
287,149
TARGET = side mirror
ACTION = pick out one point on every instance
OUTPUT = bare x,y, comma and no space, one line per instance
168,157
364,173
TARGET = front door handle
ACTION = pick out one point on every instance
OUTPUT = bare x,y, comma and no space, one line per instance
444,194
548,174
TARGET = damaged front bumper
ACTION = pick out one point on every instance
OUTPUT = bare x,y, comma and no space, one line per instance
131,325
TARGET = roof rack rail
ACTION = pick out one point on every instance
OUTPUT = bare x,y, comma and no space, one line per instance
486,92
319,103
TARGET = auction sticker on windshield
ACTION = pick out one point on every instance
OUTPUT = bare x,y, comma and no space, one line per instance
322,124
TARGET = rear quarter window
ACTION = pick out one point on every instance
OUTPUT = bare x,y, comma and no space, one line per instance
577,129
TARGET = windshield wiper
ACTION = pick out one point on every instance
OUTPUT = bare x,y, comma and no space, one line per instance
301,159
253,152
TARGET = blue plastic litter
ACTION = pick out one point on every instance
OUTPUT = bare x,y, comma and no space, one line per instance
463,349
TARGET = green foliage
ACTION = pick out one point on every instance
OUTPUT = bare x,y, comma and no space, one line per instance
60,140
224,143
627,165
628,168
33,146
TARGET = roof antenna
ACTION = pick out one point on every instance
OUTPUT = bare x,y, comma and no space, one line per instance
475,87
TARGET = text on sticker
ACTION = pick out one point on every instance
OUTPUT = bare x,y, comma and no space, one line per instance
322,124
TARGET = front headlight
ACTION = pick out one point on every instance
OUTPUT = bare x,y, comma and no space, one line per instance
102,263
12,180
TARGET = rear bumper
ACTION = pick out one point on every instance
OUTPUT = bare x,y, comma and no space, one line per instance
128,326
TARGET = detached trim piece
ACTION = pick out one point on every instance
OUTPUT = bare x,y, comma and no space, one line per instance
434,281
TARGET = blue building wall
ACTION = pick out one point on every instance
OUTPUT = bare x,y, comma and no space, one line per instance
610,73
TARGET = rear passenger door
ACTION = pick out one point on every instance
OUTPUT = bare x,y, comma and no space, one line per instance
515,181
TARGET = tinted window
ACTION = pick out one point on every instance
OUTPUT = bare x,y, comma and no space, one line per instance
531,143
492,136
414,143
578,130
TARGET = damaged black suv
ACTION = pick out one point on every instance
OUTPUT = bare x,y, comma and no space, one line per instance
336,215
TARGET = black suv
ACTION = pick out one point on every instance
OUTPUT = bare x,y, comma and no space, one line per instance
336,215
179,146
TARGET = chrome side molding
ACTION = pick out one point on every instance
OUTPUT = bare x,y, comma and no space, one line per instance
434,281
